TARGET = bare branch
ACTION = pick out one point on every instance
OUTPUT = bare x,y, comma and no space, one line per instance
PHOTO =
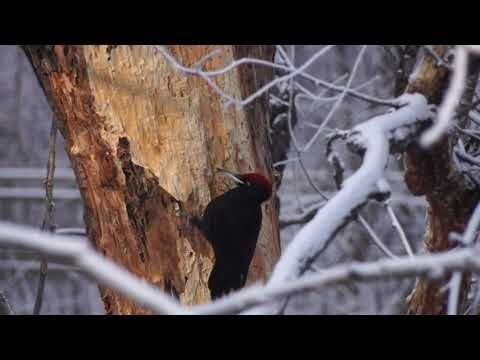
451,100
468,240
284,162
290,70
206,75
398,227
73,251
376,240
303,218
48,218
338,102
438,59
465,157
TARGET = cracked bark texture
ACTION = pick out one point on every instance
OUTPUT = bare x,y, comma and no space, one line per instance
432,173
144,139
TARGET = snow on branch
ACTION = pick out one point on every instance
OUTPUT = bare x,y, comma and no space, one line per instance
70,250
433,266
374,139
75,252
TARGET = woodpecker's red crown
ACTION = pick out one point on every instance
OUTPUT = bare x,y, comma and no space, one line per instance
254,178
250,178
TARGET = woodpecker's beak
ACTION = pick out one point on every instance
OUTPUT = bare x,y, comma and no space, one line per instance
231,175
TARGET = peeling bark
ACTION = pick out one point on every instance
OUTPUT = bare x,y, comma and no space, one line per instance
432,174
144,140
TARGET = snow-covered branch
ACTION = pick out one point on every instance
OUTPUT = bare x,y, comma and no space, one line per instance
72,251
433,266
375,139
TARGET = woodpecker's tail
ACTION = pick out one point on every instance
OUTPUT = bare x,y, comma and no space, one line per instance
226,277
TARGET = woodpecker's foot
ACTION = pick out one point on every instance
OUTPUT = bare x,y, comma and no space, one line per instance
180,211
189,222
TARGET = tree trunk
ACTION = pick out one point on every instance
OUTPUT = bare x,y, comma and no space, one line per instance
433,174
144,141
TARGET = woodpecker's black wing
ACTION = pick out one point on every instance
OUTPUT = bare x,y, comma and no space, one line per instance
231,222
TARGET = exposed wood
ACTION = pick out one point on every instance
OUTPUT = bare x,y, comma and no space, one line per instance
433,174
144,140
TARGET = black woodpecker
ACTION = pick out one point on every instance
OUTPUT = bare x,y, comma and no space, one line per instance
231,223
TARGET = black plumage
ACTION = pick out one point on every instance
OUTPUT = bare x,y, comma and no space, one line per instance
231,223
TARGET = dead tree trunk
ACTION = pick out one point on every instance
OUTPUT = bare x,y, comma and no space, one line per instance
143,140
432,173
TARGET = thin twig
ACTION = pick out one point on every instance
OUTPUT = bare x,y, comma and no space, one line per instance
452,97
398,227
465,157
468,240
48,219
284,162
455,285
376,239
438,59
291,64
303,218
326,99
476,300
207,75
337,104
470,133
199,64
